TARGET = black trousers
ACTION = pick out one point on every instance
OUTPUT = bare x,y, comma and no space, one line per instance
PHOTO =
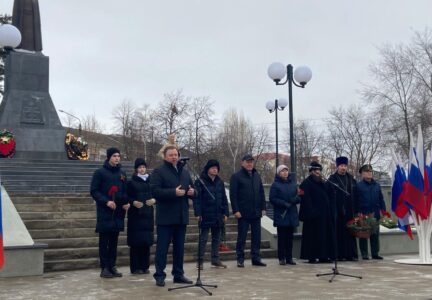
285,242
242,230
139,258
108,249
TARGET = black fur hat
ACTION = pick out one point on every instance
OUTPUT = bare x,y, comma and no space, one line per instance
140,162
211,163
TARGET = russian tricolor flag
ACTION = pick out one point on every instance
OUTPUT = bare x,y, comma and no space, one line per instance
1,231
398,198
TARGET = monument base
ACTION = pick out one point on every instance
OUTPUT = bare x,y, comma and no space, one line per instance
23,260
412,261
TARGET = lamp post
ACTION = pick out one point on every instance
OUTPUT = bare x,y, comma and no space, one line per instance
278,104
10,37
69,114
300,77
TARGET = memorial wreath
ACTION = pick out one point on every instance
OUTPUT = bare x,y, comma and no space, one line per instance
363,225
76,148
7,144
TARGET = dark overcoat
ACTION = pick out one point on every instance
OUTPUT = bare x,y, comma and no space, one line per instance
247,194
103,179
170,209
211,203
140,229
283,197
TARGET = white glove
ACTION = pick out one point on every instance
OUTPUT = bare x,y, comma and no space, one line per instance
150,202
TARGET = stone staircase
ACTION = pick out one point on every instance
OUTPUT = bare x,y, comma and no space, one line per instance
53,200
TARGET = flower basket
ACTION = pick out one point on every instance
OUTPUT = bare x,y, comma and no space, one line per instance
363,226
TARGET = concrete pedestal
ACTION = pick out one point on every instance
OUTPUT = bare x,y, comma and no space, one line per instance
22,256
27,109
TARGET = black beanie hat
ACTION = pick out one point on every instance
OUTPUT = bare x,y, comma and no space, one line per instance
314,166
140,162
111,151
211,163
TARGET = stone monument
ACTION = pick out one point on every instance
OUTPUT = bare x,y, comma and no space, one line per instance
27,109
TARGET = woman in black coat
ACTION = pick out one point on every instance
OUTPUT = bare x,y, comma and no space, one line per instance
283,197
140,228
316,215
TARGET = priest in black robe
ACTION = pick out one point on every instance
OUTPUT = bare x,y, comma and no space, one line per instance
316,215
342,193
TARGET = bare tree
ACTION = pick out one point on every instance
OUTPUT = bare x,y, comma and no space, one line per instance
358,135
403,88
307,144
124,117
171,116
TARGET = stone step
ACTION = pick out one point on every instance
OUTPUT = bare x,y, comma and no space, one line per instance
12,178
88,263
23,208
93,240
55,199
88,223
60,233
48,188
123,250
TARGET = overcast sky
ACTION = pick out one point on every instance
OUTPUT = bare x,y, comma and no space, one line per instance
102,52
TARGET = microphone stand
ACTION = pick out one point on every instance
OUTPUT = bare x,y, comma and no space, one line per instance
335,270
198,282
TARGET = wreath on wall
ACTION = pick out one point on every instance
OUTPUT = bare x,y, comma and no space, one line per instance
7,144
76,147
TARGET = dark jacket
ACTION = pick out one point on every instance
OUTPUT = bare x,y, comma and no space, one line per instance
140,227
170,209
315,203
343,203
211,203
247,194
103,179
283,196
369,198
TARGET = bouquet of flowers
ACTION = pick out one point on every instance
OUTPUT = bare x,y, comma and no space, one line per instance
363,225
389,223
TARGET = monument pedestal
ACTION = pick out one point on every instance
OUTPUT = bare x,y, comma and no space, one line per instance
22,256
27,109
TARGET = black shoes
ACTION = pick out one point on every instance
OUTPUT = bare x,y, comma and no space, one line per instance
240,264
282,262
377,257
160,282
365,257
290,262
116,273
140,272
106,273
258,263
182,279
219,264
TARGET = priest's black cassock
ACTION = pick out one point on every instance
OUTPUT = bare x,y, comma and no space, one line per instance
316,214
344,204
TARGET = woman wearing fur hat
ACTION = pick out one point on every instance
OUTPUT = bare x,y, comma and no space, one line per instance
211,209
283,196
315,212
140,229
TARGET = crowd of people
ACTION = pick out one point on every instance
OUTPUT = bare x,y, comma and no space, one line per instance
326,205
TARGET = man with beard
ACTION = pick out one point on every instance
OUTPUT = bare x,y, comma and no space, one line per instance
315,212
108,189
171,186
343,202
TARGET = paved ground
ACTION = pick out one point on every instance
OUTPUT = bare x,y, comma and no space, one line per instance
381,280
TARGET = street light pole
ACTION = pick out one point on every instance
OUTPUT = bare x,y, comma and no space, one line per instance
302,75
79,120
278,104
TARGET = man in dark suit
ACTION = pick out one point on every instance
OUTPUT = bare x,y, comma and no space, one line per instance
248,206
172,187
